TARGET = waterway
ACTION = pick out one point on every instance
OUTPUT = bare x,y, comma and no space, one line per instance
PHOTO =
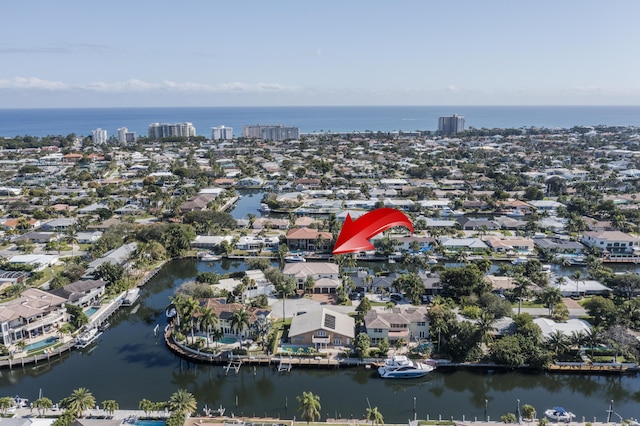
129,363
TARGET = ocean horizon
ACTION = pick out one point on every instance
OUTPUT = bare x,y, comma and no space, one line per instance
309,119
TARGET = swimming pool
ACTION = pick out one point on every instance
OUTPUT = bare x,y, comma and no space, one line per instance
41,344
92,310
228,340
149,423
297,349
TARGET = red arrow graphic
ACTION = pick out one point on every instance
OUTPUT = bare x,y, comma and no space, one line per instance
355,235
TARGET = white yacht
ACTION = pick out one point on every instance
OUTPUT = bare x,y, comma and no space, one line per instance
87,338
130,297
401,367
294,258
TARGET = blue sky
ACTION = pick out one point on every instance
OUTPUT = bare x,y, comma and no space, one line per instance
244,53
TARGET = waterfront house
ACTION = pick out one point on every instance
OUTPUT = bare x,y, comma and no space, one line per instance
514,245
34,313
465,244
308,239
559,246
251,243
81,293
403,322
119,256
570,287
225,311
568,328
270,223
322,328
615,243
408,242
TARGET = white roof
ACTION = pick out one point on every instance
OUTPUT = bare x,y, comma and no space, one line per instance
549,327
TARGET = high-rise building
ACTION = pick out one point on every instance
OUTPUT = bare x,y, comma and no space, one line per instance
99,136
271,133
222,133
450,125
125,136
158,131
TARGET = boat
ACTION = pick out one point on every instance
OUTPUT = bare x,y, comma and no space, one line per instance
171,311
401,367
519,260
264,208
559,414
87,338
130,297
294,258
208,257
20,402
104,326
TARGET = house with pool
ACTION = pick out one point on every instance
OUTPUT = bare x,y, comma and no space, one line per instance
33,314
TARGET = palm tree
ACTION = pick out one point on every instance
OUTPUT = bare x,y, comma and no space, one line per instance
261,328
110,406
309,406
485,327
189,308
146,406
81,399
594,337
42,404
239,320
208,320
521,290
577,277
375,416
551,297
71,237
182,402
6,402
557,342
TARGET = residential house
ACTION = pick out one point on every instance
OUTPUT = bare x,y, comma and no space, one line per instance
322,328
58,225
570,287
38,237
614,243
548,206
403,322
477,224
82,293
119,256
510,245
316,270
37,261
270,223
251,243
409,242
34,313
308,239
567,328
225,311
463,244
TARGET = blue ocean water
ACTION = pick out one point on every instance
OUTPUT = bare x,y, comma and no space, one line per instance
42,122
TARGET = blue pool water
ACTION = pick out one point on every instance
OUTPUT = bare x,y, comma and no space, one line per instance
228,340
41,344
92,310
297,349
150,423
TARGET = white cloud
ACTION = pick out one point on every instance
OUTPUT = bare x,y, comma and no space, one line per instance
452,88
32,83
137,86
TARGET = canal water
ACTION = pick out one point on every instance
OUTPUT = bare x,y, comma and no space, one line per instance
130,363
